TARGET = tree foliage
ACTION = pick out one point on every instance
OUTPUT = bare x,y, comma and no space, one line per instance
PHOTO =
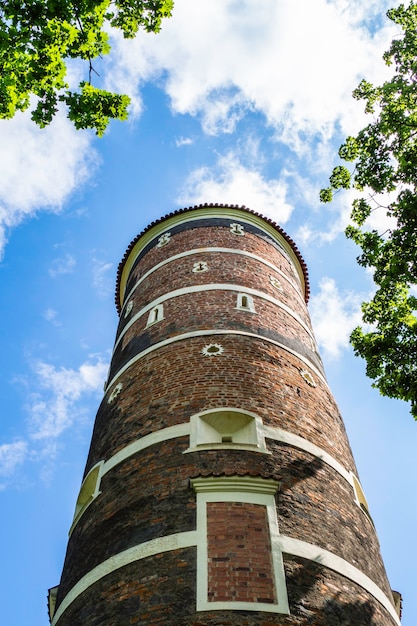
384,154
37,37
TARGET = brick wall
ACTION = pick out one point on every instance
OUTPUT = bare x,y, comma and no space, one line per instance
167,380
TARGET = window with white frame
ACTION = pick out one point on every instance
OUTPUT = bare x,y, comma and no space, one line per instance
88,492
155,315
226,428
245,302
226,507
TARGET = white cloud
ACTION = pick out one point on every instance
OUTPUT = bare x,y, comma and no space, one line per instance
57,403
63,265
50,315
231,182
296,61
12,455
39,168
102,281
184,141
334,316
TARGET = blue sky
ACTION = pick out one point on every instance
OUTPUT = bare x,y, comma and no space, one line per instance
234,101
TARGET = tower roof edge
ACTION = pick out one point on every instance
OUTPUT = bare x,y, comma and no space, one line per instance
206,205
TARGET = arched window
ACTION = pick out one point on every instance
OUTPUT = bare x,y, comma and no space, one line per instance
245,302
88,492
155,315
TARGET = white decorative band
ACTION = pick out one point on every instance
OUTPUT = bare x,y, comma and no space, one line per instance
305,550
247,484
206,213
284,436
182,430
141,551
187,253
207,333
288,545
213,287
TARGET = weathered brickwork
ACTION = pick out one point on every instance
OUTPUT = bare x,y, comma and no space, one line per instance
251,374
161,376
239,553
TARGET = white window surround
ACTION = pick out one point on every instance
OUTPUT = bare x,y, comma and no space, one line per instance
200,266
252,490
214,287
129,307
194,251
360,498
237,229
275,283
118,388
164,239
156,314
188,429
89,491
244,302
287,545
226,428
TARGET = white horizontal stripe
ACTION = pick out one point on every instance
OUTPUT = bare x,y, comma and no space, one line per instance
278,434
305,550
207,333
287,545
141,551
212,287
207,213
180,430
181,255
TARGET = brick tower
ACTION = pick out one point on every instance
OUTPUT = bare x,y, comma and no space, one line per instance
220,489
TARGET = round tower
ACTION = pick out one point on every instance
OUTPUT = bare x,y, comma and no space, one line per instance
220,488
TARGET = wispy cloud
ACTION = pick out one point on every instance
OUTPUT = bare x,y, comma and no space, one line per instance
231,182
334,316
11,455
184,141
63,265
57,403
50,315
103,281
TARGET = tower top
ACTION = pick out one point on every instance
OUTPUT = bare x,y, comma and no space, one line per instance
212,211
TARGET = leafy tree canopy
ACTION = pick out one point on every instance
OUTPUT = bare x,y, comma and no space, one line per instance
384,154
37,37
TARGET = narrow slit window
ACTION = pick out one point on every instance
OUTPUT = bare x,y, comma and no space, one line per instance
360,498
245,302
155,315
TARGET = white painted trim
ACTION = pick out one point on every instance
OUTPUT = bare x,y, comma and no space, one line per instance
284,436
234,484
305,550
95,494
207,333
187,253
171,432
182,430
213,287
280,544
207,213
195,446
141,551
252,490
